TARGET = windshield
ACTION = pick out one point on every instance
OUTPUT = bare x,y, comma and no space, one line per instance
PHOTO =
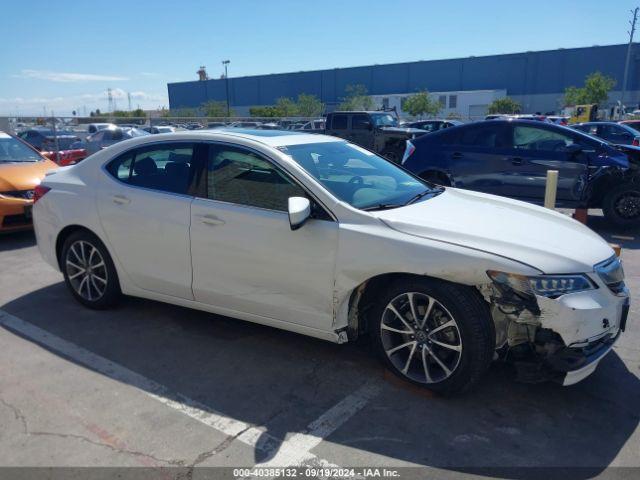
384,120
357,176
12,150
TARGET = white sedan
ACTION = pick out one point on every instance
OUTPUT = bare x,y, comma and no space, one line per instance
313,234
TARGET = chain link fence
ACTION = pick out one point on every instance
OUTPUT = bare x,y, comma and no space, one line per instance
68,140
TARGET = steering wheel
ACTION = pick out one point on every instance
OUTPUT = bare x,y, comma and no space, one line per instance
356,180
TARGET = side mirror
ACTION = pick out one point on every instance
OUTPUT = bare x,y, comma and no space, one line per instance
368,126
299,211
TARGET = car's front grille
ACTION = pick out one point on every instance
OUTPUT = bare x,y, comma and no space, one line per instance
612,274
24,194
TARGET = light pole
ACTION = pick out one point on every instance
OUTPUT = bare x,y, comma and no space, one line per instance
226,84
626,63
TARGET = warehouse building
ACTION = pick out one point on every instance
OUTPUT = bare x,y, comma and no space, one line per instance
464,86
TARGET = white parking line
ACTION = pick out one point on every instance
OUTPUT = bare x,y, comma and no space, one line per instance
292,452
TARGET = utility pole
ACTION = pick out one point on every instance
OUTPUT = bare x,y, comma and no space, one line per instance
226,84
626,65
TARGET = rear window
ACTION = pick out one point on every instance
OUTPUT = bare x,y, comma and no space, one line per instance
339,122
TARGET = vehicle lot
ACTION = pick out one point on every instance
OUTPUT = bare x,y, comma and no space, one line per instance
157,385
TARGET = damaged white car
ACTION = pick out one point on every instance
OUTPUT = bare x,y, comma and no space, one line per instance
315,235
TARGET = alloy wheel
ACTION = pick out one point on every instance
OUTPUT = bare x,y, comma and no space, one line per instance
627,205
420,337
86,270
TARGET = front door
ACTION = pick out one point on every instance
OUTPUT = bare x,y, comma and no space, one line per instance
144,208
245,256
537,149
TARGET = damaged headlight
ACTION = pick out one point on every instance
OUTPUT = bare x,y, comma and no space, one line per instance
551,286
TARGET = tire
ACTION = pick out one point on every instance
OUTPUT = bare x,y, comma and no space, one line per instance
470,339
621,205
392,155
89,272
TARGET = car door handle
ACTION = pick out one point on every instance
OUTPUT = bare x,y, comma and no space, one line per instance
120,199
516,161
211,220
456,155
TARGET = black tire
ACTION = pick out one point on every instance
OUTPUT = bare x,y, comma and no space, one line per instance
474,327
96,294
392,155
621,205
436,178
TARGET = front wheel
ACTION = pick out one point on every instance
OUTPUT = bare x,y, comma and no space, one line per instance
621,205
89,272
434,333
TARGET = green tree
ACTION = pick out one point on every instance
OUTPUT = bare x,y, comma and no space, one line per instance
596,90
421,104
504,105
215,109
285,107
309,105
356,98
138,112
266,111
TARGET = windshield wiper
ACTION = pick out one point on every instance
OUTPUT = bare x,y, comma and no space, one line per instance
382,206
417,197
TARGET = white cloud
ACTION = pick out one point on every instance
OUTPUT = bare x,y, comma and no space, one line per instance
68,77
90,100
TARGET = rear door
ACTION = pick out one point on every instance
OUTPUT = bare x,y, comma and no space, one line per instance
144,204
361,132
538,148
477,156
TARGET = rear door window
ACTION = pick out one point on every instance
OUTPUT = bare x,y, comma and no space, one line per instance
167,167
339,122
540,139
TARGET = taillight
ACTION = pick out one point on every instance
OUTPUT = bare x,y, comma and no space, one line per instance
39,192
408,151
636,142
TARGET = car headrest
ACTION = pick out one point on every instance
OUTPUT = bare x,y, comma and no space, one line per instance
176,168
146,166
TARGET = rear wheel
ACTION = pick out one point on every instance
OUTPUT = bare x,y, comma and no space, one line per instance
435,334
621,205
89,272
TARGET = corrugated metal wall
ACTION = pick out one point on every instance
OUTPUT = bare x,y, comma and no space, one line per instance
521,74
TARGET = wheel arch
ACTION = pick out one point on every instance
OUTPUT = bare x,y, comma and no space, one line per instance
65,233
362,297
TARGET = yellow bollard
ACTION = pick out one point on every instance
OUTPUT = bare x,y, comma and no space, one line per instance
550,189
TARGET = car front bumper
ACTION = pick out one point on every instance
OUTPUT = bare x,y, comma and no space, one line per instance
15,214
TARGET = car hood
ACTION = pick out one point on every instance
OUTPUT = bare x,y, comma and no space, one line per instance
541,238
23,175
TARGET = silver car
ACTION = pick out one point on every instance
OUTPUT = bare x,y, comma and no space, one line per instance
104,138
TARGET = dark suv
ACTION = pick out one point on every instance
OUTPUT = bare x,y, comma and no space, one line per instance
376,131
511,158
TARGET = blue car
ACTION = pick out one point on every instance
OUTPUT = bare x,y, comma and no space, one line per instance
511,158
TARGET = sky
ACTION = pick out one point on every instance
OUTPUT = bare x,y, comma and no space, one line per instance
63,55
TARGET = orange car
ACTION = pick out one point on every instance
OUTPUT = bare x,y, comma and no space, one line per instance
21,170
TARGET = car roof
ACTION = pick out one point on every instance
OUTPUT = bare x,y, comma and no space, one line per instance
272,138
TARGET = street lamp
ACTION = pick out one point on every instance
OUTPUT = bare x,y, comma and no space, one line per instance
226,84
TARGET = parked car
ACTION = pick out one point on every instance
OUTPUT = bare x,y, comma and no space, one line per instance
518,116
211,125
159,129
22,168
635,124
617,133
317,125
319,236
269,126
511,158
243,124
96,127
433,125
109,136
559,119
376,131
46,140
